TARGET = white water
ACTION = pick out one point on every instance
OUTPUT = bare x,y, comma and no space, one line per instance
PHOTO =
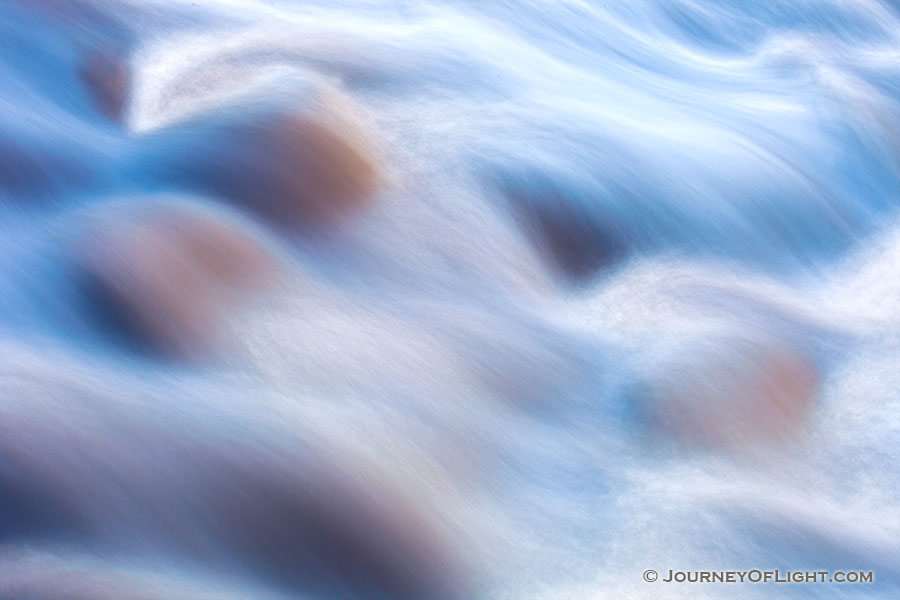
740,162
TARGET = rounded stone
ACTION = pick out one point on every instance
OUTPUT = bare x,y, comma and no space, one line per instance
293,170
567,227
164,276
729,391
108,81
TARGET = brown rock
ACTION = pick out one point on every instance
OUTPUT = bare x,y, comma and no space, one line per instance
730,391
108,80
98,33
164,276
299,169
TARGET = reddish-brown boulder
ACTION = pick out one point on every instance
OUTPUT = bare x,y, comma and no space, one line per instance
730,391
164,276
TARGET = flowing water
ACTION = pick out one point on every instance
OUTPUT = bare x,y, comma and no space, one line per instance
500,299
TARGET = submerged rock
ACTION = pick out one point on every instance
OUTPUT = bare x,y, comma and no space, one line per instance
729,391
163,276
108,80
291,148
295,171
90,42
327,530
135,470
577,239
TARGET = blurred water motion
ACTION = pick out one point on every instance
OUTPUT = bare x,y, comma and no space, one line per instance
447,300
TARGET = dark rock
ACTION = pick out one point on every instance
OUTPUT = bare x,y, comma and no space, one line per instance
568,227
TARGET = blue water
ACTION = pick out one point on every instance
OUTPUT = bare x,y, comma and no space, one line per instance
622,295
